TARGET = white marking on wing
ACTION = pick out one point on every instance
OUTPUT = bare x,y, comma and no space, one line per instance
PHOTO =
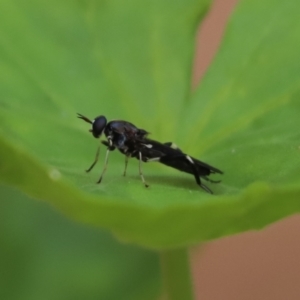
189,159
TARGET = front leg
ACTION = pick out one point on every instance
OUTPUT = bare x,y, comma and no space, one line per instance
105,165
108,145
95,160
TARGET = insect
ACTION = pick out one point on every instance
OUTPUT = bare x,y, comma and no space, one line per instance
133,142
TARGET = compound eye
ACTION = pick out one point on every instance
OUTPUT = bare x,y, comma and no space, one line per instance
98,126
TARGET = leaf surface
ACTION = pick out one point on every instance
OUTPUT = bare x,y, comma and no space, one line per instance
134,63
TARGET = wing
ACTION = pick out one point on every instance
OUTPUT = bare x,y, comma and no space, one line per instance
169,154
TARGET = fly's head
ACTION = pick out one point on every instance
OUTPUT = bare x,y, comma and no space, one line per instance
98,124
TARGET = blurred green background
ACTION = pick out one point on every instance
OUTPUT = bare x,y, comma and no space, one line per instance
44,255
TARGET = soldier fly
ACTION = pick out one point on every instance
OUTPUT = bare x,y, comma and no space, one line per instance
133,142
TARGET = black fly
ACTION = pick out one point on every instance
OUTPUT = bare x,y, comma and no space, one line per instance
133,142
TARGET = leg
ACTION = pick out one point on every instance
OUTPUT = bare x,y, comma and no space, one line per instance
95,161
210,180
111,148
105,165
126,163
140,170
196,175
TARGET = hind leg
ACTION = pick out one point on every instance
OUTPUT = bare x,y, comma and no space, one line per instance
196,174
210,180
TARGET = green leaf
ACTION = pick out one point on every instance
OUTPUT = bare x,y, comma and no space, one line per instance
45,256
133,62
